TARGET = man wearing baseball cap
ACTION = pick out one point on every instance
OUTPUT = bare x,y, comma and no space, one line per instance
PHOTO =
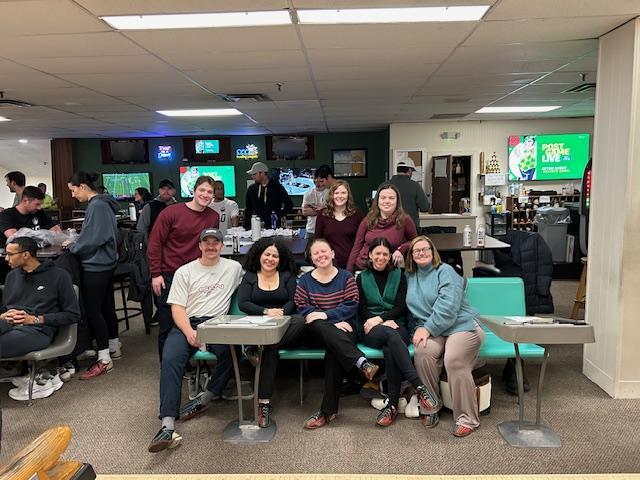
264,197
200,290
149,213
411,193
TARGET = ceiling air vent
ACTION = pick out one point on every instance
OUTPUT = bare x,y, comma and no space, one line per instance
243,97
583,87
12,102
448,116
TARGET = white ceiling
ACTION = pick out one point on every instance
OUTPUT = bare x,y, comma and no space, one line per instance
88,80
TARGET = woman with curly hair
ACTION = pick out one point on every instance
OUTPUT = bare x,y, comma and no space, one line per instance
338,222
387,219
268,288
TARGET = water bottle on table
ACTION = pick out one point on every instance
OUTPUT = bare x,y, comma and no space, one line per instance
466,236
480,234
274,221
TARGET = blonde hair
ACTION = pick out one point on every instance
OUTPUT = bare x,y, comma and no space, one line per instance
350,208
374,212
410,266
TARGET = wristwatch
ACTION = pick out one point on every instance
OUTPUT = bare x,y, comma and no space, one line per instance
37,320
264,311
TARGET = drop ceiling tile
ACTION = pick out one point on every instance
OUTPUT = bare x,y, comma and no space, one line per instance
517,9
33,81
101,64
374,71
482,67
187,60
528,52
348,57
273,76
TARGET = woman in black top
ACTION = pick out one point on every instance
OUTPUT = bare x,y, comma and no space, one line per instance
267,288
382,311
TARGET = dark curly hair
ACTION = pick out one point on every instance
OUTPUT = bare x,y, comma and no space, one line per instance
252,259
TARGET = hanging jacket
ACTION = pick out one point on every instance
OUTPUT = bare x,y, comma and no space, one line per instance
132,258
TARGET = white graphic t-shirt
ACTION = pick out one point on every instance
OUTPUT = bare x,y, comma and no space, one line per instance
226,209
314,197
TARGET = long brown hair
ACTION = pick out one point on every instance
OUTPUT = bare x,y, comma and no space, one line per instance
374,212
350,208
409,265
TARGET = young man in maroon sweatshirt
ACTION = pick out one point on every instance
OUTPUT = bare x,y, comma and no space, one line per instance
173,242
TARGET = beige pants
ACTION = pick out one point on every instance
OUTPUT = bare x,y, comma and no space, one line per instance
459,352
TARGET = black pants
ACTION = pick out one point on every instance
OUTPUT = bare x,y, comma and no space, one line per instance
99,306
396,357
165,319
293,337
340,358
16,341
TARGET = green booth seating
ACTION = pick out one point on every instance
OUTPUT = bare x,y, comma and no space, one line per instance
488,296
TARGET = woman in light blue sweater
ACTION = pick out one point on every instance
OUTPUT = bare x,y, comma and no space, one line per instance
445,332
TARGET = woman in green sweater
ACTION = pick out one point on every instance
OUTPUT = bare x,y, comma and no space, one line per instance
382,324
445,331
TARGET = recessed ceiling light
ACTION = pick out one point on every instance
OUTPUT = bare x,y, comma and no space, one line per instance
394,15
517,109
204,112
5,119
23,140
199,20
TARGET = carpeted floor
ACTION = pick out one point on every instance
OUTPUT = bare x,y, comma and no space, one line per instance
114,418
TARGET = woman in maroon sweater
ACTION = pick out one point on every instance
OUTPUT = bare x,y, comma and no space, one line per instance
338,222
387,219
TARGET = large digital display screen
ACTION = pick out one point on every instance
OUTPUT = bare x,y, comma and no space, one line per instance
207,147
296,181
122,186
548,157
224,173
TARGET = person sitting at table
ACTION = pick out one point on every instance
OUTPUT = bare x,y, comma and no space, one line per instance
267,288
386,218
382,324
49,203
27,214
338,222
96,247
445,331
141,197
327,298
38,298
227,209
200,290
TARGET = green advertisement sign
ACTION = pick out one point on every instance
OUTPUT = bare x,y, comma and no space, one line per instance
548,157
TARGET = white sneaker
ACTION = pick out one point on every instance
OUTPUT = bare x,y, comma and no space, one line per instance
115,352
380,403
87,354
66,371
412,410
41,379
39,391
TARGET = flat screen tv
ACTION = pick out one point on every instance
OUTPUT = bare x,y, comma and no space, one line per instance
289,147
548,157
296,181
189,175
207,147
129,151
122,186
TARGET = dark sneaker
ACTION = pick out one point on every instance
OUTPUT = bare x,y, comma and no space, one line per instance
96,369
428,401
164,439
430,421
369,370
251,352
193,408
463,431
387,416
264,414
317,420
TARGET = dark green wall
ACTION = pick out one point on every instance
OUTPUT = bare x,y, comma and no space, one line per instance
89,158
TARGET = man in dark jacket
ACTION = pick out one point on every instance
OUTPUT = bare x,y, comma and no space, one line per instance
264,197
37,299
150,212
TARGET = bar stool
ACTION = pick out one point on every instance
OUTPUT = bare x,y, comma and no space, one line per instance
579,302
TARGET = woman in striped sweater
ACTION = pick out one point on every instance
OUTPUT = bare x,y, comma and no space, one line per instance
327,298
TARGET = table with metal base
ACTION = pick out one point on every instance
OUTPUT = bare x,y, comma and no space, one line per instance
522,433
219,330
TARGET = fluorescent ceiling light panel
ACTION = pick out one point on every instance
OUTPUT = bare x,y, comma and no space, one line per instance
393,15
198,20
517,109
204,112
23,140
5,119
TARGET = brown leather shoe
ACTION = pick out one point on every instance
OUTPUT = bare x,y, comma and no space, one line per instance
369,370
97,369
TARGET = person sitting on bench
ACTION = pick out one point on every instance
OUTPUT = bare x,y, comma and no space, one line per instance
37,299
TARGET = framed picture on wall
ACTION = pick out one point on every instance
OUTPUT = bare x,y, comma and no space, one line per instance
349,162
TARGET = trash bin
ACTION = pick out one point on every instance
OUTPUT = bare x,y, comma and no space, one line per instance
552,225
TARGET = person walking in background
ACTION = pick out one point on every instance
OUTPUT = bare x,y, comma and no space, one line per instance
264,197
48,203
174,242
96,247
445,332
315,200
412,195
149,213
386,218
16,182
228,210
338,223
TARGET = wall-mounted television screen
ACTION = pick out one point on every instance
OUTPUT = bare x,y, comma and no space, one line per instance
189,175
296,181
203,149
289,147
207,147
548,157
129,150
122,186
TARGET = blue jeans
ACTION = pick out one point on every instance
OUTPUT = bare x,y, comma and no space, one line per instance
175,355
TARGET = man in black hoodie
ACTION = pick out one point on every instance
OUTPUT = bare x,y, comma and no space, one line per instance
37,299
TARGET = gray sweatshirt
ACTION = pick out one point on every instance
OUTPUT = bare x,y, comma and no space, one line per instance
412,196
